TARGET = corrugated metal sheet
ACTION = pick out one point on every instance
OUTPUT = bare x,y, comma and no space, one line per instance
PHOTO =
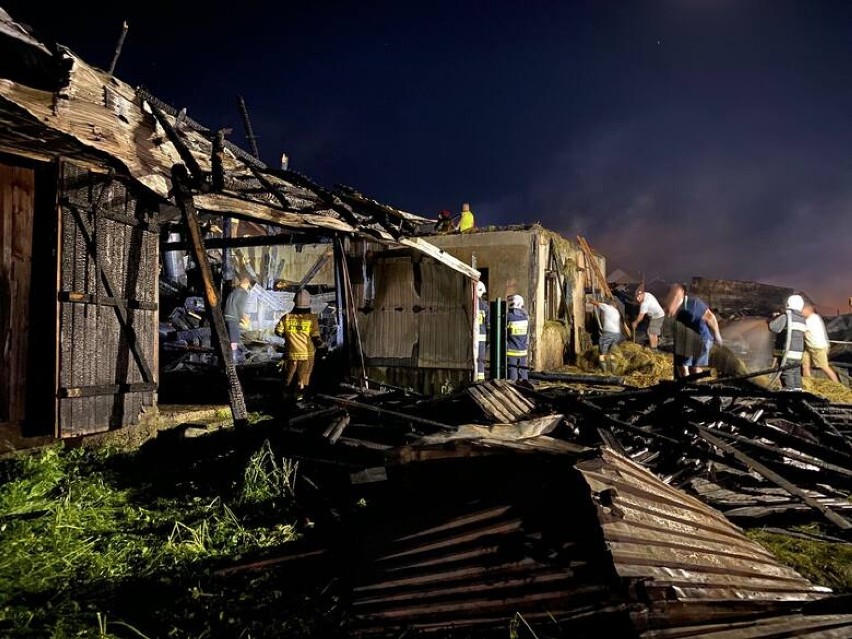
501,401
445,318
94,350
421,312
793,625
591,546
679,546
389,329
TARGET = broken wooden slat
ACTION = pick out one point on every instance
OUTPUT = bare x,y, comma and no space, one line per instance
383,411
775,478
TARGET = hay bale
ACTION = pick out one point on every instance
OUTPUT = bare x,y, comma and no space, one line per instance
639,366
554,338
725,362
833,391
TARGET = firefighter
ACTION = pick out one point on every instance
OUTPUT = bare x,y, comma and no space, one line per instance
517,339
466,221
790,328
483,317
300,330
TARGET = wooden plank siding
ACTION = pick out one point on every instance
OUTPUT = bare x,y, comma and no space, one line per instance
17,189
108,271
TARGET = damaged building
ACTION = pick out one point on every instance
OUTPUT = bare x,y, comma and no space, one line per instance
92,173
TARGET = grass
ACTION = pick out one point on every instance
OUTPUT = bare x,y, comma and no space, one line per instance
824,563
72,532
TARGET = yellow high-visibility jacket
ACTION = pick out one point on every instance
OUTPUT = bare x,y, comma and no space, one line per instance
466,221
301,335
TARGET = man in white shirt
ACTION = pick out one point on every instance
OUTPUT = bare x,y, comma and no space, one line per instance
610,320
650,306
816,344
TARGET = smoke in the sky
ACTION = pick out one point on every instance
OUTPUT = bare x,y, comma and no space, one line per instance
767,216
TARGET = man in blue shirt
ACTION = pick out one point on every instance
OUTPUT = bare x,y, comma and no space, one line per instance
694,314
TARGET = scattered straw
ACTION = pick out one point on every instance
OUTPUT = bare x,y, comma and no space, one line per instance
639,366
834,392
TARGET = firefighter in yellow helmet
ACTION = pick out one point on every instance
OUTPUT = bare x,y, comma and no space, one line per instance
300,330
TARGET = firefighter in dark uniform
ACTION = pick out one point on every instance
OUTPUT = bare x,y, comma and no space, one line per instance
790,328
300,330
483,318
517,339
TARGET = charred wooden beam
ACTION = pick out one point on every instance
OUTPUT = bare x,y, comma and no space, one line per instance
770,475
603,380
75,297
128,220
250,136
183,198
217,160
118,48
836,436
710,413
198,176
271,188
242,242
66,392
348,403
790,454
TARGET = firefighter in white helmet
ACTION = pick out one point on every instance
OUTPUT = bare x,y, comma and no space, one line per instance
483,318
517,339
300,330
790,328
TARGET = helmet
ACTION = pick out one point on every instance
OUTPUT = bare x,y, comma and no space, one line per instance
796,302
516,301
480,289
303,299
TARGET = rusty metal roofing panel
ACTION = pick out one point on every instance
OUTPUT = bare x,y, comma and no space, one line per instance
501,401
655,532
793,625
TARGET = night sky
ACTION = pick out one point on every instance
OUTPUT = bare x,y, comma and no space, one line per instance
682,138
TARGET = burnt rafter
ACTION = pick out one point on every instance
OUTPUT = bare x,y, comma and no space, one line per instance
120,309
328,198
389,217
199,177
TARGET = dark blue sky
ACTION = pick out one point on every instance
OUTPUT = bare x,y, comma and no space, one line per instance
681,137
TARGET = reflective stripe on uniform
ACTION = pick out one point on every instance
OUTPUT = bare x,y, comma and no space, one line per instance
798,326
519,327
511,353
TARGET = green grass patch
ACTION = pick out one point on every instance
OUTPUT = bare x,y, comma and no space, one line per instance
71,526
824,563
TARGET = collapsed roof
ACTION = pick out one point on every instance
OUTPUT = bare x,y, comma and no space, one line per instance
53,104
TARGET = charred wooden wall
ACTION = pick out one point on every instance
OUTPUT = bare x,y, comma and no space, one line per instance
108,269
17,191
730,298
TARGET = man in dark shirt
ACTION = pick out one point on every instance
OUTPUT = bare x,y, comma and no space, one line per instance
694,314
235,314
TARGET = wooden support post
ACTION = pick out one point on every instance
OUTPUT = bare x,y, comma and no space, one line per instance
351,311
183,198
775,478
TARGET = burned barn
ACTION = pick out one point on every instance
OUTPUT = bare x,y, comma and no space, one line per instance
415,320
94,174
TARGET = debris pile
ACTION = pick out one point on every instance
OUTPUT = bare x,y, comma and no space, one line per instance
578,510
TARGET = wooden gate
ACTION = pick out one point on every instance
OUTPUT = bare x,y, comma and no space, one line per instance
108,285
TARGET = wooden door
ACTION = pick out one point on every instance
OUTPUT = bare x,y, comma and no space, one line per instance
108,284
